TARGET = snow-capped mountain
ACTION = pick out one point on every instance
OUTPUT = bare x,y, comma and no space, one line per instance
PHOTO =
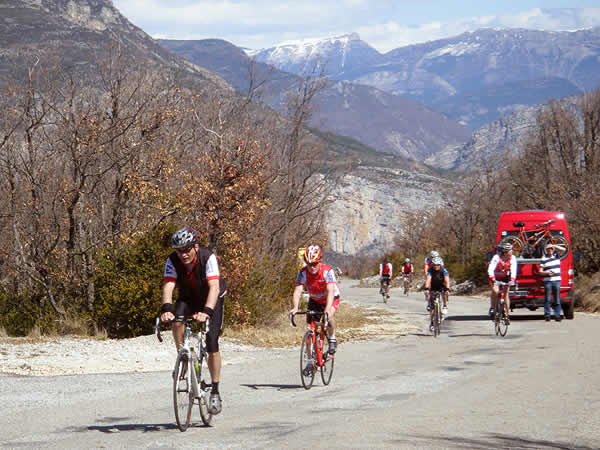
474,78
336,55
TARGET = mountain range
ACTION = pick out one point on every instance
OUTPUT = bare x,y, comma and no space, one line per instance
474,78
387,112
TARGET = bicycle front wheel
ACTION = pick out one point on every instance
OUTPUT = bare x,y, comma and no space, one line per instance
437,319
183,395
204,388
307,360
502,324
327,367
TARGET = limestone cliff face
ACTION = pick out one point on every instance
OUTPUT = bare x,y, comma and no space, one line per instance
367,214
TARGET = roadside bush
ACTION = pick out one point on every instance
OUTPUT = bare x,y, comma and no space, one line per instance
21,313
129,283
587,293
266,294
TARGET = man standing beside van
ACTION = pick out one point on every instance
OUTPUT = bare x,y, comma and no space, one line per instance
549,268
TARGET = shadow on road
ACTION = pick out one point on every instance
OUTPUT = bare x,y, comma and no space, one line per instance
491,441
485,317
279,387
145,427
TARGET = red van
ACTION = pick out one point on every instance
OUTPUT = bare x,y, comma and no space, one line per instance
530,232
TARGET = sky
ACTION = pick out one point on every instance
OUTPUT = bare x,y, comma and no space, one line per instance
383,24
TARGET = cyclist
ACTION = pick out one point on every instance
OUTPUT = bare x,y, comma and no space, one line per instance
502,267
323,291
195,272
407,268
385,276
427,262
426,267
437,279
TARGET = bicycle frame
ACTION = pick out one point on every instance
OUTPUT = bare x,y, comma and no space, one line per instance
318,330
315,358
194,352
537,235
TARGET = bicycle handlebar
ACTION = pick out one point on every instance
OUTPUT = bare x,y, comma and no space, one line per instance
177,319
309,313
504,283
545,223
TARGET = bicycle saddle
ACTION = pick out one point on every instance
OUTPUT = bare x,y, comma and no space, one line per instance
518,224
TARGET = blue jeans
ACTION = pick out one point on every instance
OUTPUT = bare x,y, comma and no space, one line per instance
552,294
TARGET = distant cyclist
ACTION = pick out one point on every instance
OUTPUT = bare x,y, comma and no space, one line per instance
427,262
407,271
502,267
195,272
385,277
437,279
323,291
426,267
407,268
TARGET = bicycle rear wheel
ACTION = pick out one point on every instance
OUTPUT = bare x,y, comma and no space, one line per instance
559,240
327,367
183,395
307,361
204,387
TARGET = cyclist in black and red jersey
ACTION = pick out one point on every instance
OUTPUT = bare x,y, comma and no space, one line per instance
323,291
195,272
407,268
385,276
502,267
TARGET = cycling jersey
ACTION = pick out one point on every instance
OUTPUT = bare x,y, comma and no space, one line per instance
503,269
437,278
193,290
193,284
385,270
407,268
316,285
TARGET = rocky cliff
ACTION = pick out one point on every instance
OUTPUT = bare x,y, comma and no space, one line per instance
367,214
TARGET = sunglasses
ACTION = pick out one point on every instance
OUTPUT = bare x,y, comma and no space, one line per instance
184,249
315,264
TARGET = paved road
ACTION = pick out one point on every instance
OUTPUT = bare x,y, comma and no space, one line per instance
539,387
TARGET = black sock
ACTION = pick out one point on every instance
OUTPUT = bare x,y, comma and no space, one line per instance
215,388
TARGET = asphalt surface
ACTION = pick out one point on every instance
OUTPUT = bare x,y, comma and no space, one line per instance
538,387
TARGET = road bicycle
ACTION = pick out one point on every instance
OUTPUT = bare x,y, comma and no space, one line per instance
384,290
406,283
436,304
533,242
501,320
191,377
312,356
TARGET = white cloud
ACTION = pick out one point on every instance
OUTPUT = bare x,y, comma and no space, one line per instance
264,23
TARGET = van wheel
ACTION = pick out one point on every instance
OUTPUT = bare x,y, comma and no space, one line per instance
569,309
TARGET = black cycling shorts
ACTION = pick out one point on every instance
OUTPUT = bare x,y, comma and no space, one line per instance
183,310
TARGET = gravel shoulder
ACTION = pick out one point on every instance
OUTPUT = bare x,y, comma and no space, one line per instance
71,355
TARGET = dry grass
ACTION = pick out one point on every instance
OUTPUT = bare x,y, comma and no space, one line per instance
3,332
349,320
587,293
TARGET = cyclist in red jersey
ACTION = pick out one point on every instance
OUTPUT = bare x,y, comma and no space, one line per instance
385,276
323,291
407,268
503,267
